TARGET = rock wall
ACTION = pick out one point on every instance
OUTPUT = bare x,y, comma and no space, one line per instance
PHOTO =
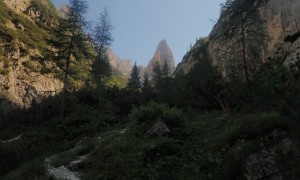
24,81
282,20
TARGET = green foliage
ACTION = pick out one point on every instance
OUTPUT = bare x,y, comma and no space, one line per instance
4,16
245,36
46,8
154,112
101,70
202,85
32,35
30,65
134,82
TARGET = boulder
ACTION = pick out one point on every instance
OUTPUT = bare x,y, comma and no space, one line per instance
159,129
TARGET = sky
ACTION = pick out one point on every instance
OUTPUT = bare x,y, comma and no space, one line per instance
141,24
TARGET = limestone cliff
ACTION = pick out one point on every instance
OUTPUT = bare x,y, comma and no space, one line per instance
24,75
123,65
163,54
282,21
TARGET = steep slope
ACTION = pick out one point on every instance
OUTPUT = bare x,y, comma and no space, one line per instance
281,21
163,54
24,30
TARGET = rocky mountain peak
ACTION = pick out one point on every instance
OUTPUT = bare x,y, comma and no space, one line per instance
162,54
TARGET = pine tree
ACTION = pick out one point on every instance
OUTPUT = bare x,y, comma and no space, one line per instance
71,43
134,82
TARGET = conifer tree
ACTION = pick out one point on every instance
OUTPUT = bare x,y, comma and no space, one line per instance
71,43
134,82
244,36
102,38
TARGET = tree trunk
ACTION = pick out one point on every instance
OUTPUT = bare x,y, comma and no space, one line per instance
65,89
244,54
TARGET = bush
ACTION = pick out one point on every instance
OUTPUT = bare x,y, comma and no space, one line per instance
154,112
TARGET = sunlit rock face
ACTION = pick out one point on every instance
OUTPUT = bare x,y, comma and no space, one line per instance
163,54
282,20
123,65
22,73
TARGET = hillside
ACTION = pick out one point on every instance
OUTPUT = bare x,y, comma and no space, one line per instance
25,75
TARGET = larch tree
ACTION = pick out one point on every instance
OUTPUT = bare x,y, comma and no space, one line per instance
102,38
244,36
71,44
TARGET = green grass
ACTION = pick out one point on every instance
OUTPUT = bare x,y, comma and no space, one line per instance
211,146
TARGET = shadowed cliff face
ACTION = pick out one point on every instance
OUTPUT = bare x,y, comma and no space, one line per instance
162,54
281,20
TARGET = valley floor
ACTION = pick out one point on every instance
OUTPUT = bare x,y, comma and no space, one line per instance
209,146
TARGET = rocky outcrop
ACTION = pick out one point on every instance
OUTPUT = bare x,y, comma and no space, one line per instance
158,129
163,54
18,6
282,23
23,82
123,65
265,163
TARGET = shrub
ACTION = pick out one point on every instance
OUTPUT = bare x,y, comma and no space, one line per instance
154,112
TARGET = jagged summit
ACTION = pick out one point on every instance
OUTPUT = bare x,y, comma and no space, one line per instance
162,54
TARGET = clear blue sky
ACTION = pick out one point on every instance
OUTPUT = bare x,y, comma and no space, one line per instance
141,24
